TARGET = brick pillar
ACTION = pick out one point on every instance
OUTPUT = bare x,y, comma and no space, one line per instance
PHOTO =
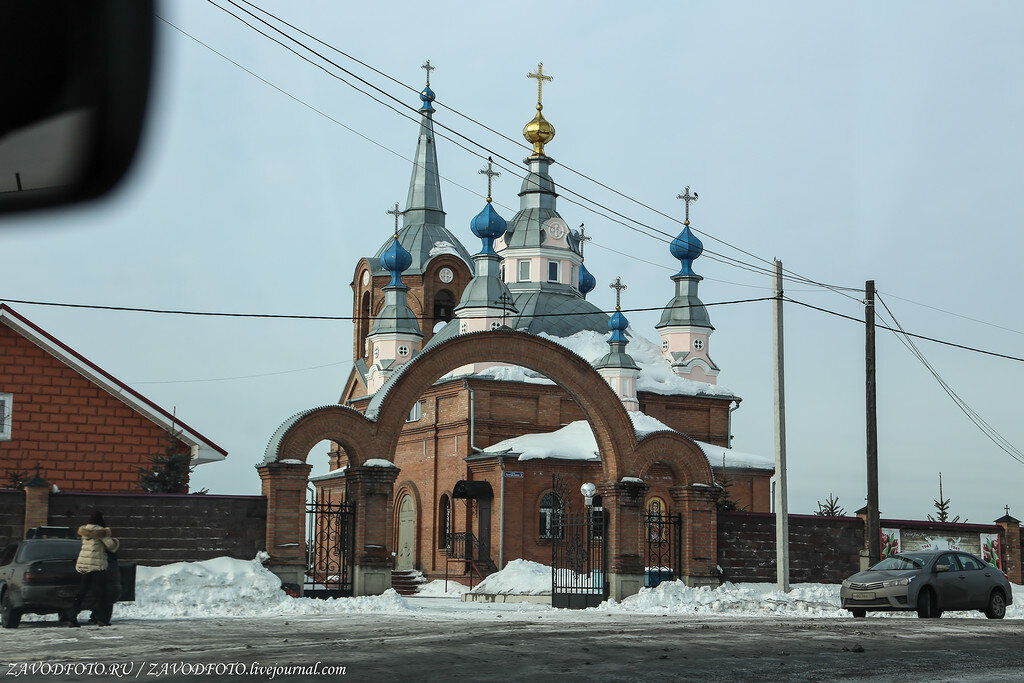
372,490
625,502
284,486
699,534
37,503
1009,542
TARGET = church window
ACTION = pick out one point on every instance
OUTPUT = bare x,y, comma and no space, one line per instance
552,271
524,270
463,327
363,324
550,516
403,350
6,415
376,352
664,344
444,305
502,272
416,413
444,521
573,280
698,344
495,324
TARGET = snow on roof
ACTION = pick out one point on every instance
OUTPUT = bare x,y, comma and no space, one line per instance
333,474
443,247
576,441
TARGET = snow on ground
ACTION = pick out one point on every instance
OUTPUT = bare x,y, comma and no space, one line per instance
436,588
520,577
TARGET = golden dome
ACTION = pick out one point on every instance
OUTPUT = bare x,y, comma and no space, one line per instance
538,132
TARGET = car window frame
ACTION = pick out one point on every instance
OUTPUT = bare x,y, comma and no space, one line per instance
954,565
964,567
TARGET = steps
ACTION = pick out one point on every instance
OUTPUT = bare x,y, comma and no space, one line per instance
406,583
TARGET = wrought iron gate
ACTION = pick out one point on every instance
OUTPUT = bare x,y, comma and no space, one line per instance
330,547
579,559
663,531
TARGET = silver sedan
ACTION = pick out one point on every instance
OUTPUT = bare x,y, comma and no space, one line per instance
929,582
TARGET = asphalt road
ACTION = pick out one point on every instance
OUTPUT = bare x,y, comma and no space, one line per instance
591,646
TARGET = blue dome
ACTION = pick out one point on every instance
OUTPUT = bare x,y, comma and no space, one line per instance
427,96
397,260
618,324
686,247
587,281
488,226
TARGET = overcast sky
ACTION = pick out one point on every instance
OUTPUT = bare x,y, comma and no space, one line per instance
856,141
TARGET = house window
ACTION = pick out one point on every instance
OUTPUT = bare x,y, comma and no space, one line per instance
444,521
550,516
6,416
552,271
416,413
524,270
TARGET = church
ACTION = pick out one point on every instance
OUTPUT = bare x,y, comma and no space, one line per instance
481,447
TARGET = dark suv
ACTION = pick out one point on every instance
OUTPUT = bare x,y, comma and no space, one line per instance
37,576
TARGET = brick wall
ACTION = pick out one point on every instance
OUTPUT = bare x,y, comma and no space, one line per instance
12,515
821,549
81,437
156,529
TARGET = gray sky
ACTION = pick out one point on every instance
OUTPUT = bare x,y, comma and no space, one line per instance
851,141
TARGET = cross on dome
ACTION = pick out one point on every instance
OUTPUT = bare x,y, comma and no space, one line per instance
491,175
541,77
584,238
396,212
687,197
618,287
426,66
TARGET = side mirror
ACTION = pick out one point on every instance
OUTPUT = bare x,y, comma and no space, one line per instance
941,568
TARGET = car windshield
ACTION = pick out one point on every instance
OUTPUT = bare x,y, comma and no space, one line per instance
49,550
898,563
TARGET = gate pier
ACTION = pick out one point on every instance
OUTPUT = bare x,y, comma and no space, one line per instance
284,485
371,490
625,500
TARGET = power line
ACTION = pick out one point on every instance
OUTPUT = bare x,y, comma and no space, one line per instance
958,315
263,374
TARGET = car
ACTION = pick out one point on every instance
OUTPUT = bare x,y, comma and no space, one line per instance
929,582
37,576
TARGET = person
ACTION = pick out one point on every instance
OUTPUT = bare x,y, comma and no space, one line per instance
92,565
103,613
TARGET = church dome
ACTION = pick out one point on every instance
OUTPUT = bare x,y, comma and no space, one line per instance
427,97
686,247
538,132
488,224
396,259
618,324
587,281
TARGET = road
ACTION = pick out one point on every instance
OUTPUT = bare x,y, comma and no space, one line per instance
506,644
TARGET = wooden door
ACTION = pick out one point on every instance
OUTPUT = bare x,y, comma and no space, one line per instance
406,534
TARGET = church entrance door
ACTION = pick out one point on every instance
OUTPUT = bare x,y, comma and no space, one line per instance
406,535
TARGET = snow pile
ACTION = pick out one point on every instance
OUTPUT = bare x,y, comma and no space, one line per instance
734,458
379,462
443,247
436,589
512,373
519,577
226,587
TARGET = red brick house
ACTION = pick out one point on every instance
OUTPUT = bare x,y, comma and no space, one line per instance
83,429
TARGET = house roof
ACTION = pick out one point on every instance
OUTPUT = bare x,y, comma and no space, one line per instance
203,450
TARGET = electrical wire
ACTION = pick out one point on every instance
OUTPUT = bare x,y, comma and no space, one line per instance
952,313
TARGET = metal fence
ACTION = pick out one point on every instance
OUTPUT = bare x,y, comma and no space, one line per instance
330,547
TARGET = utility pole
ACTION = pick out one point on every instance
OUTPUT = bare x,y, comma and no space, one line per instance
874,542
781,497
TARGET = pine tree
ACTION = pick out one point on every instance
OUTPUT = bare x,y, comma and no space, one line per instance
831,508
723,501
169,470
942,505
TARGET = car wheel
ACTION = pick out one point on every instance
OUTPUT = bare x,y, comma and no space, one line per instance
10,617
859,613
927,606
996,605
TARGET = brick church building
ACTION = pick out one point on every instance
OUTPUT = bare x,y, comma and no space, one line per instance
479,447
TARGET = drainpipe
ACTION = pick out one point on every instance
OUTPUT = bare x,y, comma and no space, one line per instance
501,465
733,405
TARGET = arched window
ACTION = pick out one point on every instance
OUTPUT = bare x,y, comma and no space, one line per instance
444,521
363,326
444,305
550,516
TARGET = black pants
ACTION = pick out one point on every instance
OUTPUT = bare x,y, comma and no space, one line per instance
93,581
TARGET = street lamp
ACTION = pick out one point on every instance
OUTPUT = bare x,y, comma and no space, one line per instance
589,491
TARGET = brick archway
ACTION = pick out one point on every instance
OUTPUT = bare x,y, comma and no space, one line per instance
375,436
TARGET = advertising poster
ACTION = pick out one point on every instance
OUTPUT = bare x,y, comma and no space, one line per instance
985,546
890,542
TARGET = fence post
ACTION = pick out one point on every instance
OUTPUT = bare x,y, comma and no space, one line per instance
1009,533
37,503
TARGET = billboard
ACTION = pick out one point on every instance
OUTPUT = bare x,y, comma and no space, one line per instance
985,546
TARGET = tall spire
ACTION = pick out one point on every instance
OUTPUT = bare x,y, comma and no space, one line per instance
617,366
424,202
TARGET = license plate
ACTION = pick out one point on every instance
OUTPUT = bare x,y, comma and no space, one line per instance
67,592
863,596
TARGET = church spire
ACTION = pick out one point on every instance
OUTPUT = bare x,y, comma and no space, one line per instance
423,204
617,366
539,132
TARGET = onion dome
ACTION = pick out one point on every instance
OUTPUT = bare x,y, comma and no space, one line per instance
587,281
396,260
427,97
618,324
538,132
686,247
488,225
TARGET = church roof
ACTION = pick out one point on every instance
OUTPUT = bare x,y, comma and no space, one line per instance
557,310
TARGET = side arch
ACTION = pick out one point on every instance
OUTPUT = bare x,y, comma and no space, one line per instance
680,453
298,434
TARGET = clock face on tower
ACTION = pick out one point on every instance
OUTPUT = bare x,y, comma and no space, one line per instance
446,275
556,228
366,277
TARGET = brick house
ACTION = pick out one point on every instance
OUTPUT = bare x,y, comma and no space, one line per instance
464,466
81,427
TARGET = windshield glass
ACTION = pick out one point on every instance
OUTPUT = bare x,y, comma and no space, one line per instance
897,563
49,550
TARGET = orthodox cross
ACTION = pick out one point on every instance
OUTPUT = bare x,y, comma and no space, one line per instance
491,174
618,287
583,239
541,77
1007,508
687,197
505,300
396,213
426,66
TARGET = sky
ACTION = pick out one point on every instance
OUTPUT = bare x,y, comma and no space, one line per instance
853,142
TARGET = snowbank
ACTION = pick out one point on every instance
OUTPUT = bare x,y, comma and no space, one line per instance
226,587
521,577
436,589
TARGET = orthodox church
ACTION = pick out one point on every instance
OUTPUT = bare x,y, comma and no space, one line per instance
478,450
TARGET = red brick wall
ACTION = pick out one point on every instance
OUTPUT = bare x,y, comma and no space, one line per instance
81,437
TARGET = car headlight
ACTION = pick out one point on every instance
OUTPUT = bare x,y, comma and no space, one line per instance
895,582
846,583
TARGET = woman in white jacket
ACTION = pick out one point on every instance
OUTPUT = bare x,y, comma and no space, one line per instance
92,565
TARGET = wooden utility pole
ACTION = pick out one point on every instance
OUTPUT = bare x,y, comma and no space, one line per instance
874,538
781,497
